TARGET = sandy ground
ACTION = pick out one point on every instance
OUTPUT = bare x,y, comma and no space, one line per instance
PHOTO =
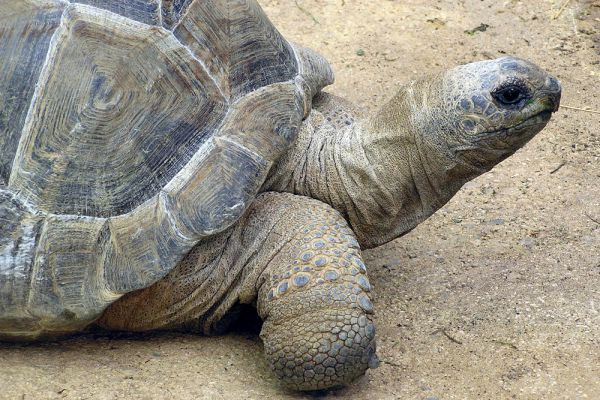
495,297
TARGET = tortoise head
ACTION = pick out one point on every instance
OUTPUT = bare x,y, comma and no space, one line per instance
441,131
489,109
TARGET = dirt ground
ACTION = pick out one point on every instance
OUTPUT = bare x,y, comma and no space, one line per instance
497,296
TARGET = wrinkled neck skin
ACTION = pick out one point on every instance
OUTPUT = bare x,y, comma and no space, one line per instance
385,174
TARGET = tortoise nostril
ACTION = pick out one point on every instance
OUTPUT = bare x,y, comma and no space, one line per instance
553,85
553,90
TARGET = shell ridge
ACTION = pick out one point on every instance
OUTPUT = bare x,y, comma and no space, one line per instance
164,199
35,266
170,20
217,84
244,148
44,72
128,9
160,14
26,31
105,241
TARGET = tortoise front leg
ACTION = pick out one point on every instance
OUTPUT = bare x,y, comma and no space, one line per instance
298,259
314,300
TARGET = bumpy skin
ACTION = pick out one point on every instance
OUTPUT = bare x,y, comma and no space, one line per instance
299,261
315,302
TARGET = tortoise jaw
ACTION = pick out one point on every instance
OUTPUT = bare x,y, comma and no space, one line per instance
538,119
526,129
489,148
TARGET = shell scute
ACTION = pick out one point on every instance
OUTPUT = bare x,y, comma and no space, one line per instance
140,108
25,31
237,43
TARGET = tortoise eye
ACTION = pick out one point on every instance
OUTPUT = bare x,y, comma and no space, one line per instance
510,94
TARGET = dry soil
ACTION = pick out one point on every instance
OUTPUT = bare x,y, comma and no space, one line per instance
494,297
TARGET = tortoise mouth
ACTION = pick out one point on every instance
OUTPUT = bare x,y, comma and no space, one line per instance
505,141
540,118
489,148
525,128
537,119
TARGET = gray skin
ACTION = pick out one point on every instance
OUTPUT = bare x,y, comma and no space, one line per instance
348,183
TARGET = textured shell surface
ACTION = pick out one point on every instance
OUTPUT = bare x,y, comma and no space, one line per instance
120,106
129,131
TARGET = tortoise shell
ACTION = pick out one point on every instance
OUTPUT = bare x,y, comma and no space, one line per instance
130,130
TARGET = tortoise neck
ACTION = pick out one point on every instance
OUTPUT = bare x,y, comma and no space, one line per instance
413,172
316,164
382,174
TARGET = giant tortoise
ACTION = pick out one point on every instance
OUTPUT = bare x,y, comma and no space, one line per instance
165,161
